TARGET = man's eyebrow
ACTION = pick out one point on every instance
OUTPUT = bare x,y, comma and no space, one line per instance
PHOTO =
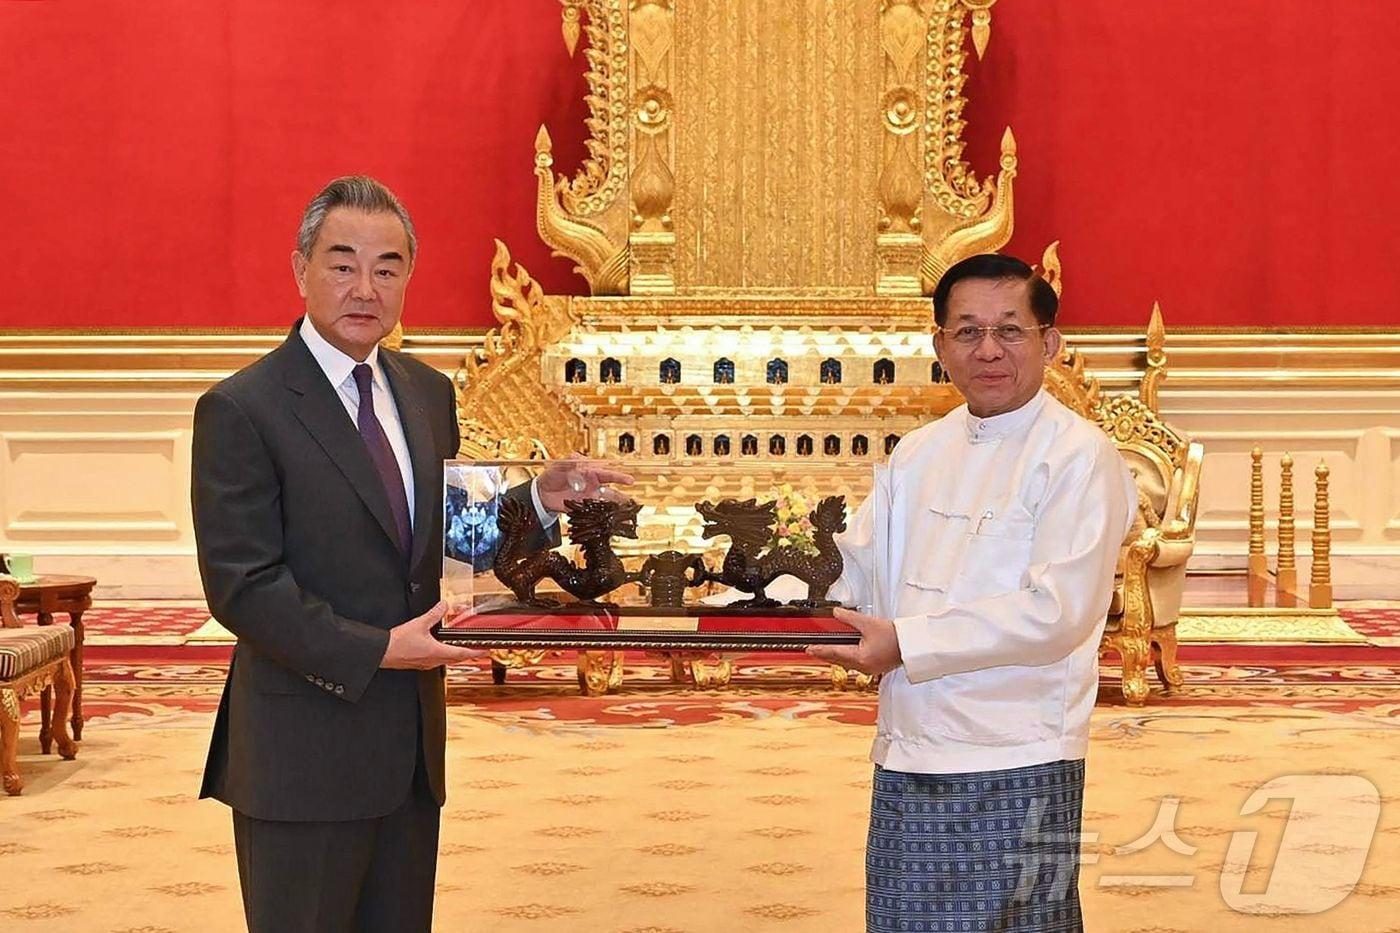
392,255
969,316
341,248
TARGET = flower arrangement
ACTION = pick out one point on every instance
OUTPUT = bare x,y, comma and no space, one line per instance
794,527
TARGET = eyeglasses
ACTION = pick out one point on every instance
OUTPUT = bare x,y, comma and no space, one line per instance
970,335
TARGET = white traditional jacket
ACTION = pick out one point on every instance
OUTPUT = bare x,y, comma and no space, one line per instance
991,543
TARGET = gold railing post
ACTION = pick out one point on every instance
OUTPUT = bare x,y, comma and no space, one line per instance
1320,588
1286,581
1258,563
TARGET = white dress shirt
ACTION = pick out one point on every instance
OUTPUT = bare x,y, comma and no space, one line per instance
991,543
338,368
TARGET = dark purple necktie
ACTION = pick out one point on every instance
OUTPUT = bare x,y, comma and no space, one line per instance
385,463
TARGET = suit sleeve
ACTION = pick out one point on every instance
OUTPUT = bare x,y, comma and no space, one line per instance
236,496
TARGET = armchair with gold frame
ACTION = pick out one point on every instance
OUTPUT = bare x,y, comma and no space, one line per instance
1166,465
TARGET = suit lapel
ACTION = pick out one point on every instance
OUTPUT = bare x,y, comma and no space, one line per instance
421,452
319,409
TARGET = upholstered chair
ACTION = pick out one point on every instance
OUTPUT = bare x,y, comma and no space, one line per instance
1166,465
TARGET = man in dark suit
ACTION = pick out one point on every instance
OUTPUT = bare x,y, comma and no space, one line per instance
317,498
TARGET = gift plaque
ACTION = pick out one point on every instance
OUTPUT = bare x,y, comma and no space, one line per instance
600,554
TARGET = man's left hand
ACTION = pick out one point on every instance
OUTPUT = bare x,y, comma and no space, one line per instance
579,479
877,653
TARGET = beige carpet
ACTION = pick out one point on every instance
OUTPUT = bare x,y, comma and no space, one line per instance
748,824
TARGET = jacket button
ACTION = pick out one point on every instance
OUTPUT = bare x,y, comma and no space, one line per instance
339,690
413,588
310,679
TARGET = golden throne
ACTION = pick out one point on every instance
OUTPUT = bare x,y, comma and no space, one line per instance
1166,466
771,193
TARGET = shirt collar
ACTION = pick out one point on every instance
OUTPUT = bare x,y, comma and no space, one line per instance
335,364
998,426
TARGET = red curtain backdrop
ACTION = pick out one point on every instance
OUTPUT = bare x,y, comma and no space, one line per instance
1232,160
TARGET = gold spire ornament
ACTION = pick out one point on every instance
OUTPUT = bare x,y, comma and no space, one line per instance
570,25
1286,582
981,24
1320,587
1258,563
1156,359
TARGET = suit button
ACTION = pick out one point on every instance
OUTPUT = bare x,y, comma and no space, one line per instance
310,679
319,682
339,690
413,588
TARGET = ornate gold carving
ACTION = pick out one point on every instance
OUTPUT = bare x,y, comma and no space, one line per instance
1258,564
1286,582
1132,640
1164,657
9,595
1073,385
981,23
982,234
1050,270
842,677
601,257
514,657
569,24
503,410
898,245
653,241
599,672
602,176
1320,588
1128,421
1156,359
779,159
962,216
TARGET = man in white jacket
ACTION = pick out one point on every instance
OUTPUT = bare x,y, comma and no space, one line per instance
982,564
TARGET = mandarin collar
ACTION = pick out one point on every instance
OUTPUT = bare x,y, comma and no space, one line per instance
996,427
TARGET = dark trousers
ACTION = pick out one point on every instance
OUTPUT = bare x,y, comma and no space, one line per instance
353,876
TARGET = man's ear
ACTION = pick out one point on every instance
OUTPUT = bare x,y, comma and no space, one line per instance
1052,343
299,271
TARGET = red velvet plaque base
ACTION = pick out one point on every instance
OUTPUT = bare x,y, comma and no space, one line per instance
694,628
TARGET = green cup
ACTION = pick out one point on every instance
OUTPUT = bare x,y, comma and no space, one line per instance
22,567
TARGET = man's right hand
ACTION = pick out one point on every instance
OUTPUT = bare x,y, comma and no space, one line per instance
413,647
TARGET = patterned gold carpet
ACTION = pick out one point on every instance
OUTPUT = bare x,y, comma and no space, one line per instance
751,819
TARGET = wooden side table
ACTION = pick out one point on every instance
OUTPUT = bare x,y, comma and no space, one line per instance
50,593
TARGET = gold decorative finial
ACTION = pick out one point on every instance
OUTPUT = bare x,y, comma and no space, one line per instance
599,261
1258,563
1050,269
1286,591
1156,369
570,25
981,24
1008,149
1320,589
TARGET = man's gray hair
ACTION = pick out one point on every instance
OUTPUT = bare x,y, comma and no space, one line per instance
361,193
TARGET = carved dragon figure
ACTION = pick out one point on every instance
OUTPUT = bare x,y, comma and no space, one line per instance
819,571
593,523
748,524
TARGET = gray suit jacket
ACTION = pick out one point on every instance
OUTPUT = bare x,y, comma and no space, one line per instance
297,554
